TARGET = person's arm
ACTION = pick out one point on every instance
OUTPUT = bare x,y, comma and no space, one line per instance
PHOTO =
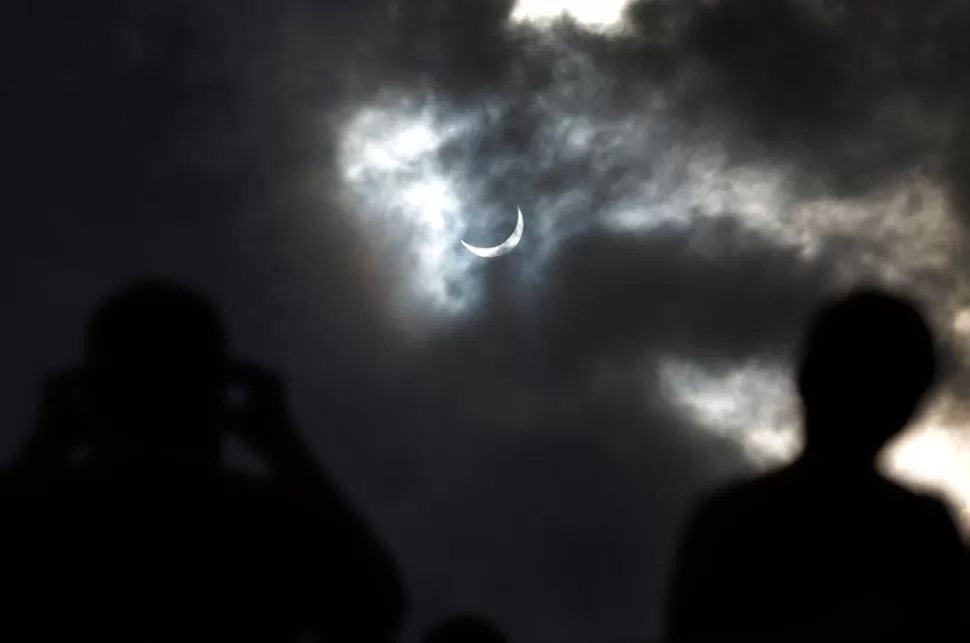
338,547
354,590
367,602
696,593
262,422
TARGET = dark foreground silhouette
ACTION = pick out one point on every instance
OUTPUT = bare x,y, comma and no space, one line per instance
121,523
465,629
826,549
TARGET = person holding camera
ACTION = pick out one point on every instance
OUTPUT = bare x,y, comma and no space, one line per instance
127,525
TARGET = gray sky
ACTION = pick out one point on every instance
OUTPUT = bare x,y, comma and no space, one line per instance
526,432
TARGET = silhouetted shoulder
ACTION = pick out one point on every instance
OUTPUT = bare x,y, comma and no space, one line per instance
790,498
925,506
925,518
465,628
774,540
729,509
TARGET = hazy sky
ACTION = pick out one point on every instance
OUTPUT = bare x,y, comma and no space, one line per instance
526,432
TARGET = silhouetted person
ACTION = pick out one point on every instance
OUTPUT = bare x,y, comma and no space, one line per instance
123,525
827,549
464,629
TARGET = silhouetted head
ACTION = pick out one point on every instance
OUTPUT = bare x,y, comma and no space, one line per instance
465,629
157,353
868,360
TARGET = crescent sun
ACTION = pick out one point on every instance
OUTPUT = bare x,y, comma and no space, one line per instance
503,248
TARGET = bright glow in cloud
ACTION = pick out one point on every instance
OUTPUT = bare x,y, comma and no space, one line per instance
961,324
593,14
752,405
390,166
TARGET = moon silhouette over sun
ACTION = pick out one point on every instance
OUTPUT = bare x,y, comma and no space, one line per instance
503,248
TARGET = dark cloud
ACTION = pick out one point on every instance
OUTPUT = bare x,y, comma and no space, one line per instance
777,60
459,47
853,93
622,295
